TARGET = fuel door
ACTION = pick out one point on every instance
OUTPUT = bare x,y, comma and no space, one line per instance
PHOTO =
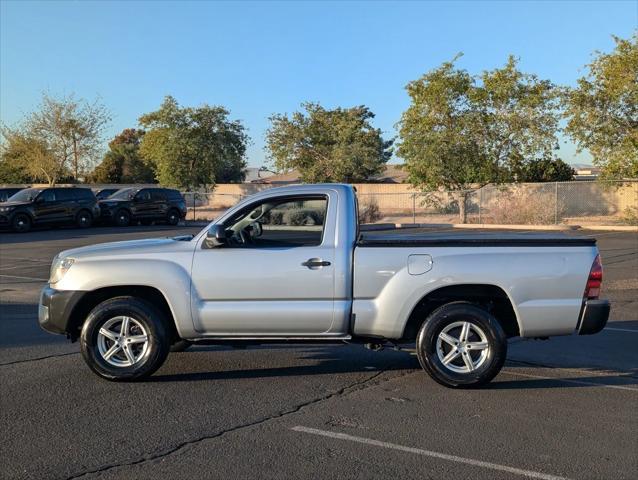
419,264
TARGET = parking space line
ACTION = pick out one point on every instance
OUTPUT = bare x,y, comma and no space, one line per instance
620,330
570,380
25,278
428,453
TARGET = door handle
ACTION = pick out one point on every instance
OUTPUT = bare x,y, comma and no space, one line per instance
315,262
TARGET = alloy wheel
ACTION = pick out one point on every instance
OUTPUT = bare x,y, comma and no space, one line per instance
122,341
462,347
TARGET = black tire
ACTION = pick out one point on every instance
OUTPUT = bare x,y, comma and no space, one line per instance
148,358
172,218
122,218
21,223
485,363
84,219
181,345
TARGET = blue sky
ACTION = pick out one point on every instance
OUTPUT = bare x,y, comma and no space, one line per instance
260,58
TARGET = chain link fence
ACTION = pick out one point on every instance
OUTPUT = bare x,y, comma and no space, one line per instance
577,203
208,206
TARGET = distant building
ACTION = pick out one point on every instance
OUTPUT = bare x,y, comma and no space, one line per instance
586,172
391,174
255,175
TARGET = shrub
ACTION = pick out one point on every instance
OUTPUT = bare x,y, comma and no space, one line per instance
303,216
630,216
273,217
369,211
520,206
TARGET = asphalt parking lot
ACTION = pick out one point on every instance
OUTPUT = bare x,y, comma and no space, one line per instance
562,408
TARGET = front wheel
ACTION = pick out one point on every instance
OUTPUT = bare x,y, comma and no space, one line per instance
461,345
124,338
21,223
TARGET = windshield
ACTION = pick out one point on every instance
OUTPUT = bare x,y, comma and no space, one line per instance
124,194
102,194
27,195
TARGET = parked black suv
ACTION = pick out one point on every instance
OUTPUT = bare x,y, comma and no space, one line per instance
49,206
6,193
104,193
145,205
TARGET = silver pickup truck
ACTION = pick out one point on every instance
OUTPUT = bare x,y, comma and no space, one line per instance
293,265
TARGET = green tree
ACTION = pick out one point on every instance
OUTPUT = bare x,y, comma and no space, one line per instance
461,132
12,160
546,170
518,117
26,159
602,111
10,173
190,147
337,145
123,163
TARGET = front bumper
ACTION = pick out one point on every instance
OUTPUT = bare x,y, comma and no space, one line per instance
106,212
55,310
594,317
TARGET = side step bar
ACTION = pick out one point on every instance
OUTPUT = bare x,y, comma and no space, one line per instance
221,339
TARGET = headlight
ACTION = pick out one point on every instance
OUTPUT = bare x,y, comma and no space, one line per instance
5,209
59,267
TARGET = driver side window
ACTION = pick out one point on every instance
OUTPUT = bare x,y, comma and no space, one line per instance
287,222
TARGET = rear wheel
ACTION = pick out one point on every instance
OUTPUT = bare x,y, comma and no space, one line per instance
84,219
122,218
124,338
461,345
21,223
173,217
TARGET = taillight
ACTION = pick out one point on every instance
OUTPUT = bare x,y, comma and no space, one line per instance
595,280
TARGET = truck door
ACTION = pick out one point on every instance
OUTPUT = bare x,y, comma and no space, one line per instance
274,276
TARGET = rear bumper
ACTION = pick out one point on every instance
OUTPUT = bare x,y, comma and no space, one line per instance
55,308
594,317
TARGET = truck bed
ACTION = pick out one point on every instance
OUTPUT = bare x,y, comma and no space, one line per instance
405,238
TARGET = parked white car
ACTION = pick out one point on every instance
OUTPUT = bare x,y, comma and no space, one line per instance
291,265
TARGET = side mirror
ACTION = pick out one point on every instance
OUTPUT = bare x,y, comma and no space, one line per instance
39,199
216,236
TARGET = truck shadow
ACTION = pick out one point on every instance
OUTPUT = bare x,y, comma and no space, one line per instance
316,361
353,359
